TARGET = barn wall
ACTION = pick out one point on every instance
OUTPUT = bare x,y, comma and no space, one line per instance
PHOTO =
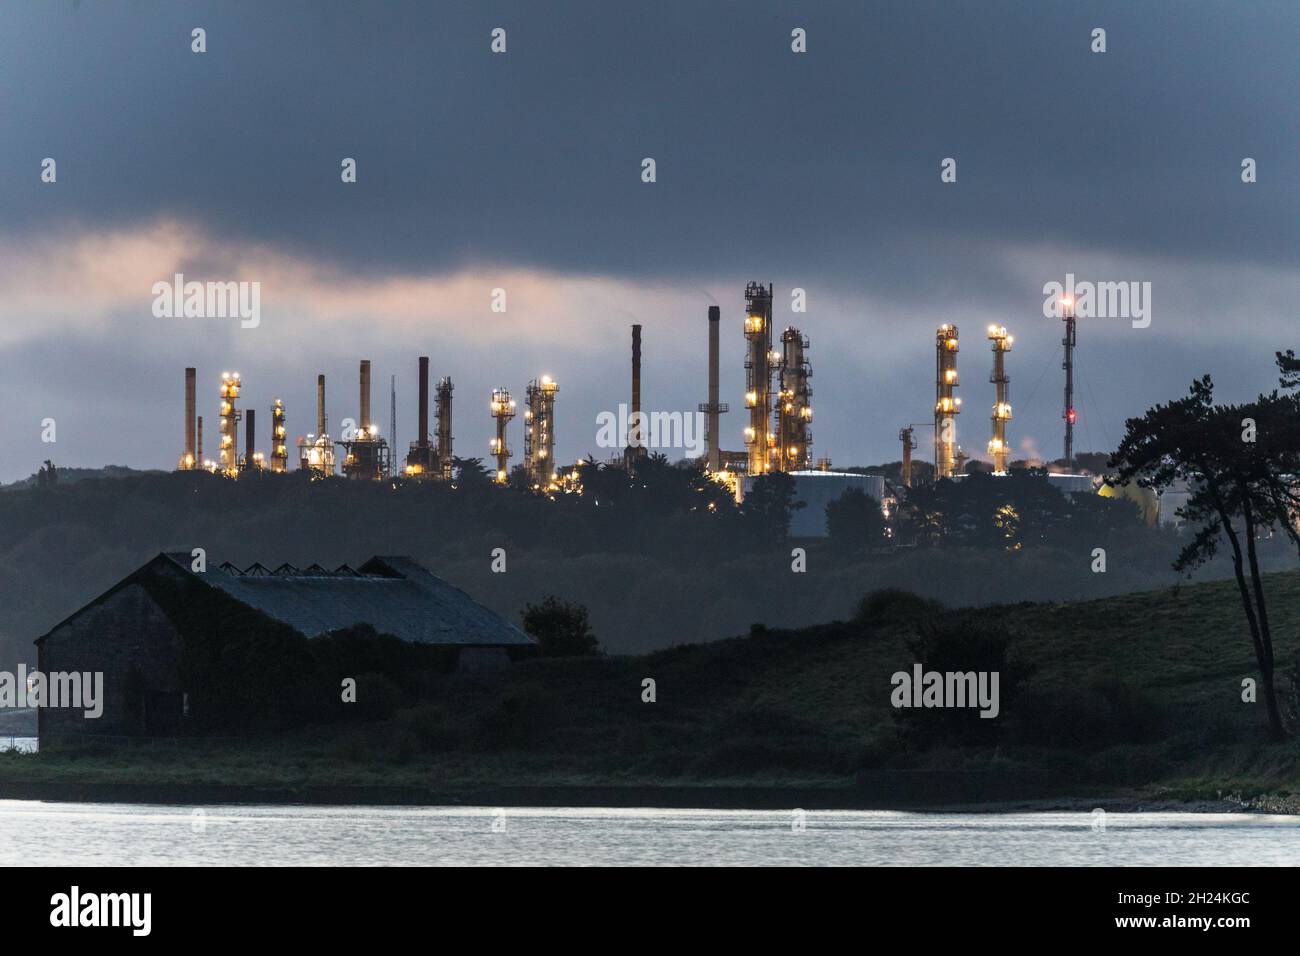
124,633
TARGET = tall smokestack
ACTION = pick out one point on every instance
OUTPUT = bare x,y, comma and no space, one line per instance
190,460
250,436
715,454
423,436
365,394
636,386
321,424
198,442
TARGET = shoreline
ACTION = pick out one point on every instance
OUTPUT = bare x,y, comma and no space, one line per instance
625,797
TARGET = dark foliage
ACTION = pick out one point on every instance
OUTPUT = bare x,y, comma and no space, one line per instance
561,629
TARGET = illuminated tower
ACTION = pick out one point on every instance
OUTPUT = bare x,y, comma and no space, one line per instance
1001,407
503,409
228,462
794,404
279,441
758,376
539,431
946,406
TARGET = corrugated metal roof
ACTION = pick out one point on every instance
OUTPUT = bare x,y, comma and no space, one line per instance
395,595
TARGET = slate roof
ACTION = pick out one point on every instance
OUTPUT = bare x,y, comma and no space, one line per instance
395,595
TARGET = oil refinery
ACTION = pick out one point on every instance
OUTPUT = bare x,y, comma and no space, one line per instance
777,433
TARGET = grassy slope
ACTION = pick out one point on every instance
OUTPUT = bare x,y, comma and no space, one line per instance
803,708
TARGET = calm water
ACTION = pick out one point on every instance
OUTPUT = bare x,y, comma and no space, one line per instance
95,834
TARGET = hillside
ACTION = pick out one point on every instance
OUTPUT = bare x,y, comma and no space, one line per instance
651,571
1134,694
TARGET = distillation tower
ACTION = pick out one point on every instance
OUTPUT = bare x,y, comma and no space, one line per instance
442,414
907,436
539,432
758,376
946,405
503,409
794,404
228,462
998,449
279,439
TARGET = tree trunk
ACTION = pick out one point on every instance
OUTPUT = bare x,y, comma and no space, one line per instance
1264,652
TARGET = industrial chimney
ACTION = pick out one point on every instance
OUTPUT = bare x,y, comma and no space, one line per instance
322,426
636,387
422,437
713,408
198,442
365,395
250,437
635,449
189,459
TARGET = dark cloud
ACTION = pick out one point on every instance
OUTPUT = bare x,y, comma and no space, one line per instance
820,170
766,160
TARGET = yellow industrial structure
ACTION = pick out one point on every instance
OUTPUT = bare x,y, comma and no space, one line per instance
759,359
946,405
539,432
503,409
998,449
279,441
228,459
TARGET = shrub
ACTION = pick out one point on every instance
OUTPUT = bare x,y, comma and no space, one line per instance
893,606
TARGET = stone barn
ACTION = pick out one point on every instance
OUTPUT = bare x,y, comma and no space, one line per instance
134,632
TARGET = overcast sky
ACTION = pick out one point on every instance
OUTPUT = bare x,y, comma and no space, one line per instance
522,171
